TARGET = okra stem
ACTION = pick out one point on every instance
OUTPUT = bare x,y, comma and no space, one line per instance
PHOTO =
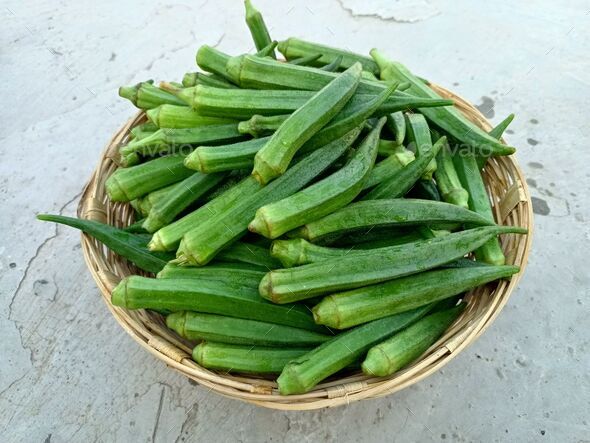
257,27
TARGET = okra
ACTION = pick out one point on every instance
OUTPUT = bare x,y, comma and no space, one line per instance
244,358
496,132
375,266
168,237
401,183
321,198
303,373
389,167
387,147
179,198
145,95
200,326
129,183
396,212
168,140
268,50
249,253
334,65
257,27
350,308
406,346
259,125
294,47
129,245
396,123
274,158
211,60
144,204
419,136
447,180
230,273
245,103
208,159
174,116
207,296
470,177
203,242
297,251
448,118
143,130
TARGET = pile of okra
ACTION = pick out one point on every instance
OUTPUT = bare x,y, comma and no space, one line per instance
308,215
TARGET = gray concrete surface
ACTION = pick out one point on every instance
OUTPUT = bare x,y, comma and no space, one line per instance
68,372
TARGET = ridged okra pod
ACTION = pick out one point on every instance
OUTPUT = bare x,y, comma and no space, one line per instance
418,134
447,180
225,272
398,212
274,158
208,296
496,132
202,243
174,116
350,308
294,48
179,198
258,28
199,326
191,79
145,95
249,253
389,167
396,123
321,198
447,118
353,271
214,61
208,159
303,373
129,183
406,346
244,358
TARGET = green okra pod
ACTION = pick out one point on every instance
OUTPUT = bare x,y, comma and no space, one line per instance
404,180
274,158
350,308
200,326
226,272
321,198
202,243
447,180
398,212
259,125
257,27
129,245
214,61
145,95
419,136
174,116
496,132
208,296
208,159
244,358
303,373
129,183
357,270
294,48
396,123
406,346
180,197
143,130
447,118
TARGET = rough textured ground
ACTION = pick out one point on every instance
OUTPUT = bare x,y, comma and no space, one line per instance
68,372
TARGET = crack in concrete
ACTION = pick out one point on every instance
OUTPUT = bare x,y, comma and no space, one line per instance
158,414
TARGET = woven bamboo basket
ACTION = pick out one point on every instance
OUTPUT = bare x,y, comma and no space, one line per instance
511,204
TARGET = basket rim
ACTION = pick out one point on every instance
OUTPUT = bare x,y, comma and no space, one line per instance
333,392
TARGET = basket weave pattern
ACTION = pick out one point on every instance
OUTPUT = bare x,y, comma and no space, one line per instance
511,205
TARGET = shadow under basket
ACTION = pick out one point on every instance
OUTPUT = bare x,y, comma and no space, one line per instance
511,204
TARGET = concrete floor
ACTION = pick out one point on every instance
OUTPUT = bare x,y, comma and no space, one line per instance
68,372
